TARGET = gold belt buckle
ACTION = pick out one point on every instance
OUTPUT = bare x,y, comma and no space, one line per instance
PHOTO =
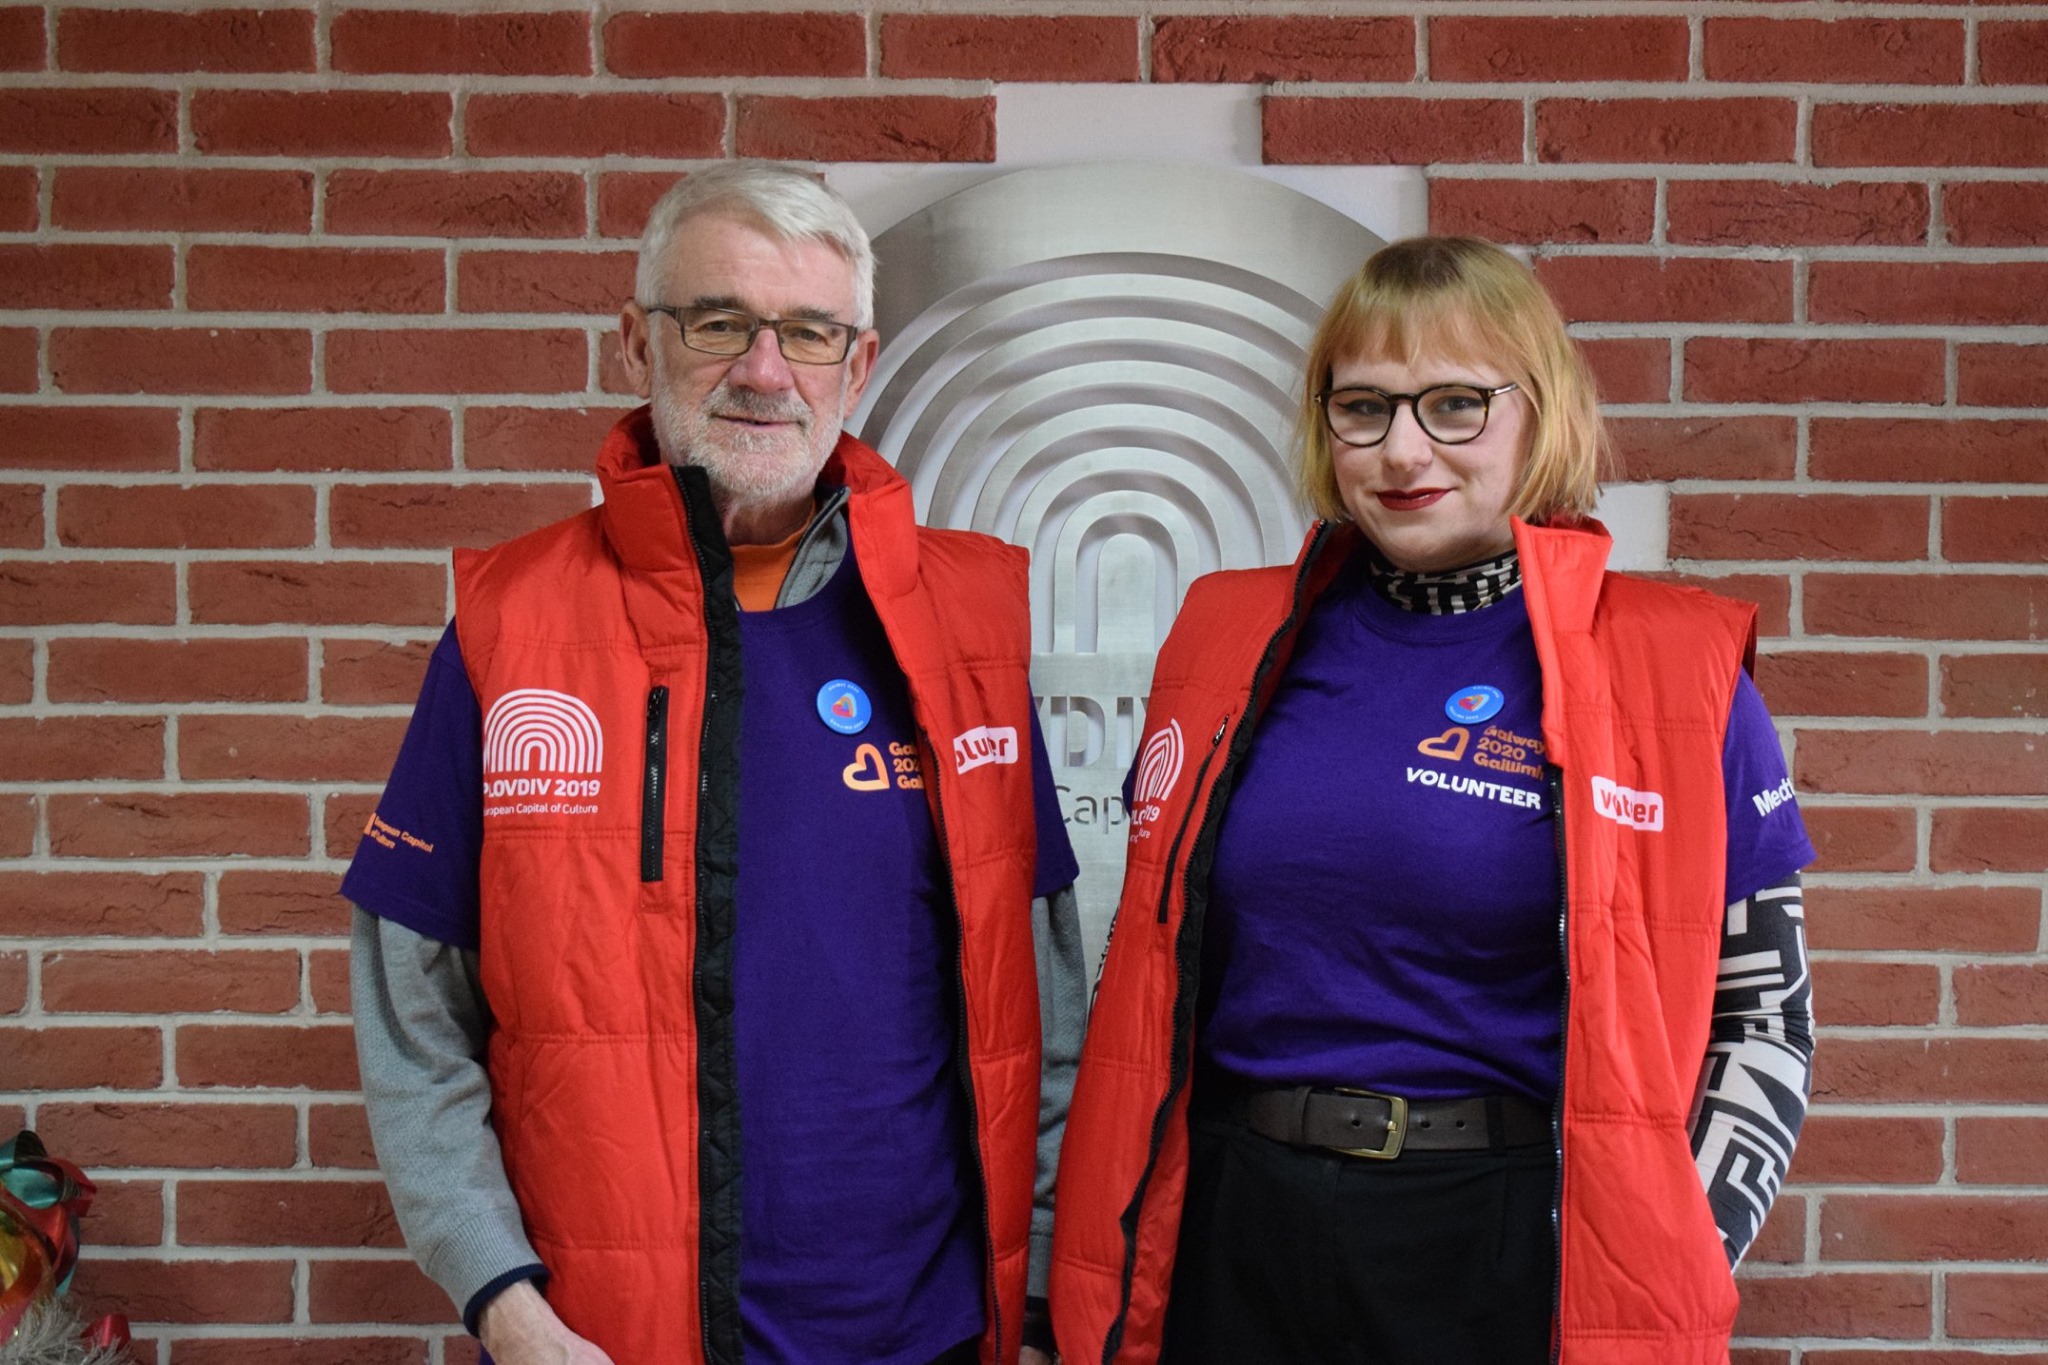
1397,1125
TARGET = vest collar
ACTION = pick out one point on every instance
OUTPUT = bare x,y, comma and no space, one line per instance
1561,570
1561,565
882,515
643,507
645,523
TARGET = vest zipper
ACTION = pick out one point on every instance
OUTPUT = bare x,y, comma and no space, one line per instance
961,1058
654,785
1173,853
1188,942
711,966
1554,779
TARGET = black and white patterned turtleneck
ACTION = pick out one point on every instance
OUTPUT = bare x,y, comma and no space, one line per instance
1449,593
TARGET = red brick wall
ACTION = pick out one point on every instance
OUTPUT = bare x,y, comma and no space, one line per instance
295,299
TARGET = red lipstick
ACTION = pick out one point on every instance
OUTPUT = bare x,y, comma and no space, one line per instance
1410,499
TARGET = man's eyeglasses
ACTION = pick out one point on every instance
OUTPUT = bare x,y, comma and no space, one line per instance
1450,414
728,332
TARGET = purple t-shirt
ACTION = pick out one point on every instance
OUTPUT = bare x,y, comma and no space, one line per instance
1386,885
861,1233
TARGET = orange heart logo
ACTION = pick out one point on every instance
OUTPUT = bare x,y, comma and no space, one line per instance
866,773
1450,744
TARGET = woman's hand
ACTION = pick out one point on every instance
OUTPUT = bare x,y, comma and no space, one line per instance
1031,1355
518,1328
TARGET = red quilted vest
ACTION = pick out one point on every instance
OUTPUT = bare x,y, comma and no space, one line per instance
607,674
1637,681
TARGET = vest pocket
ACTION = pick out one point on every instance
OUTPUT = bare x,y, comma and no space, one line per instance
654,785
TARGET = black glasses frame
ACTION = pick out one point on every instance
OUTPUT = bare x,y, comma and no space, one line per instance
845,331
1414,402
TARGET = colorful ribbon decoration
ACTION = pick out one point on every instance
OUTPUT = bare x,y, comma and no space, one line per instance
41,1198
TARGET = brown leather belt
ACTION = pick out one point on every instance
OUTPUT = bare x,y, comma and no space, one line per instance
1366,1123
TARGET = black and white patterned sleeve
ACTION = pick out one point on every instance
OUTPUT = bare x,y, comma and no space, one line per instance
1759,1065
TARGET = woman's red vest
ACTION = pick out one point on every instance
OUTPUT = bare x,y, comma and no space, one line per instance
1637,682
604,653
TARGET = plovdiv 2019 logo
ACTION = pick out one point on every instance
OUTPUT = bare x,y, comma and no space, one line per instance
543,754
1158,770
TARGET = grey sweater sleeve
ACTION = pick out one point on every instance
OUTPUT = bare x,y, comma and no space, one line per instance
1063,1018
421,1024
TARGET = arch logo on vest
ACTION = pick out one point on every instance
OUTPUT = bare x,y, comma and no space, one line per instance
1158,769
543,754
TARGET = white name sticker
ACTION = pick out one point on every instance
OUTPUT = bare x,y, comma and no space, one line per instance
985,744
1634,809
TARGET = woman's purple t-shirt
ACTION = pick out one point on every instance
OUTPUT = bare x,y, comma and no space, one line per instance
1384,905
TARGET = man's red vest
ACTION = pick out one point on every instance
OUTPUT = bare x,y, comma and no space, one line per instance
1637,681
604,653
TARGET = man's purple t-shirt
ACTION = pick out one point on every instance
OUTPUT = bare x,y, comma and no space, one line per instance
1386,884
861,1233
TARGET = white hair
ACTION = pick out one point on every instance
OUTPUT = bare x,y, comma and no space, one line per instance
790,203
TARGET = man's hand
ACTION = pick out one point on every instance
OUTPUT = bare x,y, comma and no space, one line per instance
1031,1355
518,1328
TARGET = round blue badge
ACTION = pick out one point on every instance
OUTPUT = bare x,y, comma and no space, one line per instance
1468,705
844,707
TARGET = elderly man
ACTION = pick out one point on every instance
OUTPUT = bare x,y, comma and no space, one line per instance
696,987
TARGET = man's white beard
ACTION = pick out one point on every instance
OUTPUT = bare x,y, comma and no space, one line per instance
747,465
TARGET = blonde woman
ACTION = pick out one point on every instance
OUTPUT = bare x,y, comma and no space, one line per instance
1456,1007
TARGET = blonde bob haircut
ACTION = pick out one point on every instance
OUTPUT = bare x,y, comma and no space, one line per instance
1465,300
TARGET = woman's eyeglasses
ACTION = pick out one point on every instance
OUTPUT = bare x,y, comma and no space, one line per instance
1450,414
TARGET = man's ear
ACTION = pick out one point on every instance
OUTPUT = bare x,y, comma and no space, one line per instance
860,365
636,348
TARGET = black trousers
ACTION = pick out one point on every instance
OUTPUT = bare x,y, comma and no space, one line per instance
1296,1256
